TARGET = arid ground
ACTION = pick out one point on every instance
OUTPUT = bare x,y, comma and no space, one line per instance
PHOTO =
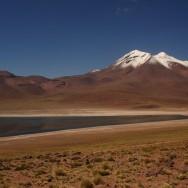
136,156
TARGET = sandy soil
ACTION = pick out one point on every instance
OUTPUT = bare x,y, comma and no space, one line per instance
90,112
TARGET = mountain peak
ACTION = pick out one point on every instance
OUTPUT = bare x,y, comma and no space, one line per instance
134,58
137,51
167,60
137,58
162,54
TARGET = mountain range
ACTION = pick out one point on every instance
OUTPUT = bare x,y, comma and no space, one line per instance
136,80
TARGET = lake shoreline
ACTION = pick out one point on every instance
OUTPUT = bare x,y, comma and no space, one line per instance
15,126
128,127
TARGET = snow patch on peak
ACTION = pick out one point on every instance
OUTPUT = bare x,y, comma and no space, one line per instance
95,70
162,54
137,58
134,58
166,60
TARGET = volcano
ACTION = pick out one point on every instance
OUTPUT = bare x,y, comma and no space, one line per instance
136,80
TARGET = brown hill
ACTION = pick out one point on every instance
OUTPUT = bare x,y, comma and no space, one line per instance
137,80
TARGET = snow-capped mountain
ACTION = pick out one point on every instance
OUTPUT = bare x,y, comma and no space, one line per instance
137,58
136,80
134,58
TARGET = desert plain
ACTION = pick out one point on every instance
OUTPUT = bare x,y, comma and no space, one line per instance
151,154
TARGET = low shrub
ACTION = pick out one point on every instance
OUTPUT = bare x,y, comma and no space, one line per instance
60,172
86,184
98,180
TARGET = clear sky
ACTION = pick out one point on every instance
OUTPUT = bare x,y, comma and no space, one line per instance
66,37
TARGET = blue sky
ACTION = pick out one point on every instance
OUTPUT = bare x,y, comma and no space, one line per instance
67,37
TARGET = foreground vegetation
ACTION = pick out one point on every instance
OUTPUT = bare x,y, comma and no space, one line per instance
152,165
114,158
